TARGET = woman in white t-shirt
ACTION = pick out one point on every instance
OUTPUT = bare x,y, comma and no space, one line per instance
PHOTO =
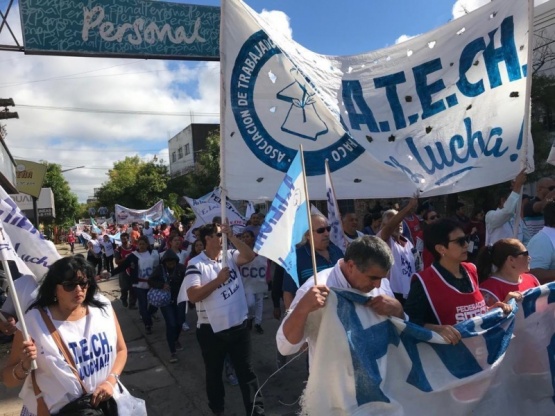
94,252
141,264
90,330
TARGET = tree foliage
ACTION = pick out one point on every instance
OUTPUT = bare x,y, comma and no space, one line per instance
66,202
134,183
206,175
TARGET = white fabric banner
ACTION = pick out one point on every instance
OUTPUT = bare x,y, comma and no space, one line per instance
384,366
127,215
209,206
337,236
22,242
286,221
440,113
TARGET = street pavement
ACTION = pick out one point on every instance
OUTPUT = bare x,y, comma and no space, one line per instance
179,388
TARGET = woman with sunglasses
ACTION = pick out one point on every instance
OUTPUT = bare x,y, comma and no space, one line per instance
447,292
88,327
503,270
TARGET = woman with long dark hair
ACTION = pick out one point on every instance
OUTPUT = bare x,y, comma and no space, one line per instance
68,298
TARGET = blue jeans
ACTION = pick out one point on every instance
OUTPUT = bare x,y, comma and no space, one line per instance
173,324
145,310
181,311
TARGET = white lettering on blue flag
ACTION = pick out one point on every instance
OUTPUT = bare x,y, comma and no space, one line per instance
286,221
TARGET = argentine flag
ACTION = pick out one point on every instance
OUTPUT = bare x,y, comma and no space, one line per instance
286,221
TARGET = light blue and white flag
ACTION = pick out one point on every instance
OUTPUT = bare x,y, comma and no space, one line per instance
337,236
286,221
386,366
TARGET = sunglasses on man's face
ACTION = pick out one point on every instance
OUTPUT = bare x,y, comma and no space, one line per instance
461,241
70,286
522,253
322,230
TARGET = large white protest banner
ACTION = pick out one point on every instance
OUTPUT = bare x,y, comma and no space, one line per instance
127,215
209,206
286,221
440,113
30,246
385,366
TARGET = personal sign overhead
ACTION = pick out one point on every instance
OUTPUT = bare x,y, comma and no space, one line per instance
126,28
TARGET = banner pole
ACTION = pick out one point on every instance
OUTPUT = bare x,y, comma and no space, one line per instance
310,235
17,305
527,108
223,194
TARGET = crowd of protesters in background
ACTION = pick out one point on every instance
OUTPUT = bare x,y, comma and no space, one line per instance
424,243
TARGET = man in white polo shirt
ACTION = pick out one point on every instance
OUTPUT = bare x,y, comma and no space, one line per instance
222,316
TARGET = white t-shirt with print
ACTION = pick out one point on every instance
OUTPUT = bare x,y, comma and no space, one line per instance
92,342
226,306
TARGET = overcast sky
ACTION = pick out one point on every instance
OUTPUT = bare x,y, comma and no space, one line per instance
101,135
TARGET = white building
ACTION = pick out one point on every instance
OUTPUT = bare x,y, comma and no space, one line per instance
185,146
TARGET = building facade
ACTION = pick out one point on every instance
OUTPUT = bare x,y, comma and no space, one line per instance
185,146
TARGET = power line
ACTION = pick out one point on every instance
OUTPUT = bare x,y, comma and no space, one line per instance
62,77
101,111
133,151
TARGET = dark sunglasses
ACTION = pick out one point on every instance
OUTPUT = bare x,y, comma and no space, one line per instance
461,241
218,234
321,230
70,286
522,253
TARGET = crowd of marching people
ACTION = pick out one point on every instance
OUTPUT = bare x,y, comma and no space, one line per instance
413,264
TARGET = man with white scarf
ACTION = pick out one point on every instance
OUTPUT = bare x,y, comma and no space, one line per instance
365,265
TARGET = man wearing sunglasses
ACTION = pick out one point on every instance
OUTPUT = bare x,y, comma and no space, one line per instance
327,255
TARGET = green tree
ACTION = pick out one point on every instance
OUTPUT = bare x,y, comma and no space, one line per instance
134,183
206,175
66,202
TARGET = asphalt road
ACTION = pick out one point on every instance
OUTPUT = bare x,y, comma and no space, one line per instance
179,388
